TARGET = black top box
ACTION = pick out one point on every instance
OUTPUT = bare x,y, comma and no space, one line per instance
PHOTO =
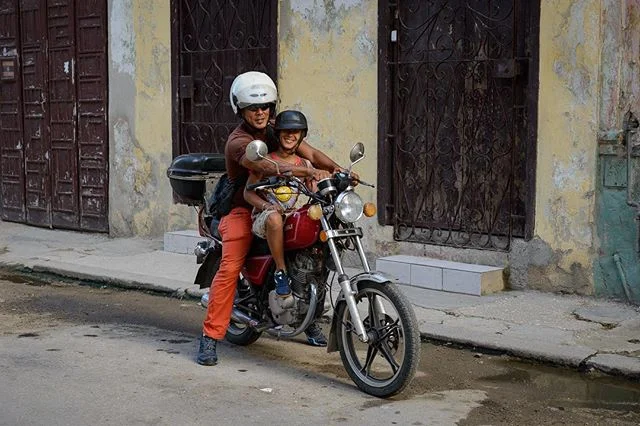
188,174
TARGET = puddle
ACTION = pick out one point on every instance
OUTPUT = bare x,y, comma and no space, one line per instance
564,388
515,376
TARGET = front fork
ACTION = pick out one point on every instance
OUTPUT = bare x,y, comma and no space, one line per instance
349,290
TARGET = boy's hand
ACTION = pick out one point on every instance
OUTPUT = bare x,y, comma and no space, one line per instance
272,206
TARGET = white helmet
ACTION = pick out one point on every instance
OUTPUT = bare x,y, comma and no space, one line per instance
251,88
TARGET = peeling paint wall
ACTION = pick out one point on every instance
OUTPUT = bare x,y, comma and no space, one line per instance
328,69
140,120
567,134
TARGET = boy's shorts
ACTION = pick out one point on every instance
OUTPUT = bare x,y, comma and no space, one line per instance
259,226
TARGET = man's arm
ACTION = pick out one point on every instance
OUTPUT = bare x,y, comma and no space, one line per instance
267,168
318,158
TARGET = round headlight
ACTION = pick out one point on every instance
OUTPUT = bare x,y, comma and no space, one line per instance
348,206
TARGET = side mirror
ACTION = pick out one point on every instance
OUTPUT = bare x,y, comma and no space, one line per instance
256,150
357,152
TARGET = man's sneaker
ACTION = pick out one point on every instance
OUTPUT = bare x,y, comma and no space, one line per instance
283,283
207,351
315,336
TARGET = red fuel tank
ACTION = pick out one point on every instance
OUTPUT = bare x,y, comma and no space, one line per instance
300,230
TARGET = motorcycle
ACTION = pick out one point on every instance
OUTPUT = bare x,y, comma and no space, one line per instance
373,325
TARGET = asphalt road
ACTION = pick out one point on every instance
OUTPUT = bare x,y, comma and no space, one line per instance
75,354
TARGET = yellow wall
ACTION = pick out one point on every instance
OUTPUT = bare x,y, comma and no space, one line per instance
140,120
567,136
328,70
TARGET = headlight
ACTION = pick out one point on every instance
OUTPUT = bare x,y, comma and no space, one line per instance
348,206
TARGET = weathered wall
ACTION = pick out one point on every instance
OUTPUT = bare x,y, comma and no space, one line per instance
328,69
567,134
140,120
617,266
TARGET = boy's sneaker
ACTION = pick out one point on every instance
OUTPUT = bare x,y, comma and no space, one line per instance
207,351
283,283
315,336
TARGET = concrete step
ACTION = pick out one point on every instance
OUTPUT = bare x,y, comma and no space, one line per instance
443,275
182,242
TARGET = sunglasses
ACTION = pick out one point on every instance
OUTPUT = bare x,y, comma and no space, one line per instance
255,107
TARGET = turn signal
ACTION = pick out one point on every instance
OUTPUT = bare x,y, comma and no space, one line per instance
369,209
323,236
315,212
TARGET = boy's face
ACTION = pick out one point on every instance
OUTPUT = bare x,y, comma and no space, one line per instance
289,140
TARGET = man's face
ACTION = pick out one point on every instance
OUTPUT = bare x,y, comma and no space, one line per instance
256,116
289,139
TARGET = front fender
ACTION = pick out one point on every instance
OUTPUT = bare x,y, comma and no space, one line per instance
378,277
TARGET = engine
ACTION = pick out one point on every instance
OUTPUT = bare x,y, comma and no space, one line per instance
304,267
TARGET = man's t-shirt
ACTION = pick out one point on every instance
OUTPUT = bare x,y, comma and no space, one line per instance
234,150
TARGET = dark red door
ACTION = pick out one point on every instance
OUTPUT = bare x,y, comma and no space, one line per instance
12,200
54,169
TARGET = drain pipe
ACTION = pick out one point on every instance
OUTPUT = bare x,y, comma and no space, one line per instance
622,275
630,129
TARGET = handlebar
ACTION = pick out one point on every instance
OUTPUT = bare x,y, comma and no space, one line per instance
285,180
273,180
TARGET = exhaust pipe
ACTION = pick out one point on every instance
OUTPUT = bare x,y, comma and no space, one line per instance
239,316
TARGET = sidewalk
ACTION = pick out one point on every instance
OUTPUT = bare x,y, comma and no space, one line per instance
567,330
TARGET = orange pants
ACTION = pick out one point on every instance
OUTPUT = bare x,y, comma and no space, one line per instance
235,229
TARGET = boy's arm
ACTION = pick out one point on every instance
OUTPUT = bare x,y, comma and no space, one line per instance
252,197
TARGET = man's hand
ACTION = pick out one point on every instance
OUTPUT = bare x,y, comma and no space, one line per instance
318,174
354,175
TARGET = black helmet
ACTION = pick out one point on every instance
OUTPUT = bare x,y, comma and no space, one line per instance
291,120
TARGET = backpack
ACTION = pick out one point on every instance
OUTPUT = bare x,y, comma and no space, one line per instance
222,197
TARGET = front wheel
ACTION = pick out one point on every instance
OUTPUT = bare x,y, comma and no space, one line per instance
386,364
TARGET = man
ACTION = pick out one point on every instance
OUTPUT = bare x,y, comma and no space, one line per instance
253,97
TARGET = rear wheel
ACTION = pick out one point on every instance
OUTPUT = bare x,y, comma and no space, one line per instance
385,364
239,333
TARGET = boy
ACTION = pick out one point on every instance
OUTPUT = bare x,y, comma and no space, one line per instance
271,206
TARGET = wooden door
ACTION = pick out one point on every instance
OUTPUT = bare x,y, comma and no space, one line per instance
54,158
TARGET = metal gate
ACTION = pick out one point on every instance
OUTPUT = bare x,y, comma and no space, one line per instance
459,89
212,42
53,132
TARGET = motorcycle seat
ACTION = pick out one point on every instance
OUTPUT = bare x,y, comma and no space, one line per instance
259,247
